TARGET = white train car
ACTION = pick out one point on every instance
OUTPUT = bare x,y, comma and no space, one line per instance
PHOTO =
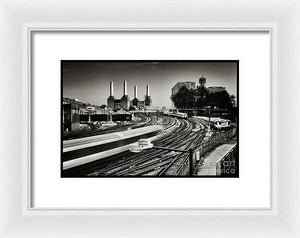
90,108
215,122
219,123
141,145
181,115
175,113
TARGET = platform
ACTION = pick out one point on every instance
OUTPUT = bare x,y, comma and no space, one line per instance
209,165
88,149
76,144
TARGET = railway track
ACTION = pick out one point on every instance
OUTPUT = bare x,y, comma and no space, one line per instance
91,129
99,165
155,161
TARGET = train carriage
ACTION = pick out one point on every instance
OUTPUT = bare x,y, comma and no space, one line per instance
175,113
219,123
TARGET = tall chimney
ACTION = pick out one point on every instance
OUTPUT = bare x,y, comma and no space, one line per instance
147,90
125,88
135,91
111,89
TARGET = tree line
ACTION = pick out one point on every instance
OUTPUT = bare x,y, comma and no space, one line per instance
200,97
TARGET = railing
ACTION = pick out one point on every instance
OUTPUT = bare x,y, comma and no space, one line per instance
200,150
226,165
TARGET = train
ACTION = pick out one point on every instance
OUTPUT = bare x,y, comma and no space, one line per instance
175,113
90,108
181,115
216,122
141,145
219,123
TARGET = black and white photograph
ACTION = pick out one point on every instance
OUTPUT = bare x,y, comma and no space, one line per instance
147,118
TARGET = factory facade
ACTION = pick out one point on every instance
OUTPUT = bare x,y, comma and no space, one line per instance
116,104
192,86
124,102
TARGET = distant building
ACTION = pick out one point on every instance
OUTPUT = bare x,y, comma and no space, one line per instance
215,89
179,85
148,100
124,102
116,104
202,81
141,104
121,111
72,108
152,108
135,100
111,98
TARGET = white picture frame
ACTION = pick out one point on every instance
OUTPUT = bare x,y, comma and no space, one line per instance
20,18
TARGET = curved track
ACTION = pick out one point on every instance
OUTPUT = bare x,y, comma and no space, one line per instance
153,162
98,128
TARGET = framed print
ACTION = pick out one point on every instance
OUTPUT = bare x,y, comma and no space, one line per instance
185,132
149,119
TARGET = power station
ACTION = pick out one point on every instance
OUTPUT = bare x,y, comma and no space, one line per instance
147,97
124,102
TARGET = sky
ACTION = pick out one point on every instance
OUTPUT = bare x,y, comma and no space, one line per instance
88,81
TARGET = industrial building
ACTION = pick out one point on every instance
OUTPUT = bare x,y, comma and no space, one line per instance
141,104
71,110
148,100
192,86
124,102
199,91
202,82
75,113
116,104
179,85
215,89
70,115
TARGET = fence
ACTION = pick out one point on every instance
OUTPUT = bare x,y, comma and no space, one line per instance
200,150
226,166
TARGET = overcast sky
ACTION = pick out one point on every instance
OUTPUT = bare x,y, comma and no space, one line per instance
89,81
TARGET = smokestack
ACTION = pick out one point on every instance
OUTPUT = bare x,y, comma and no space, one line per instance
135,91
147,90
125,88
111,89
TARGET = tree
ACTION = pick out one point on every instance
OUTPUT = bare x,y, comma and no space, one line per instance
201,97
184,98
220,99
232,100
